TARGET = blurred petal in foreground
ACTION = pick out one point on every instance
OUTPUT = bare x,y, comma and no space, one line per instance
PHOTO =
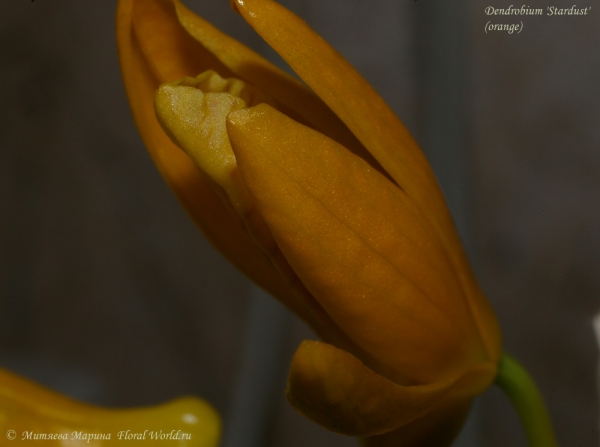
31,412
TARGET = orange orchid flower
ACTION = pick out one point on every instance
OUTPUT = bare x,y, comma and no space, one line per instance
323,198
29,412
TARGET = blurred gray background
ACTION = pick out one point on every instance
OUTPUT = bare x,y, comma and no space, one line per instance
108,292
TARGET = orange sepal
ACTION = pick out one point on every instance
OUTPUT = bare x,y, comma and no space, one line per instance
353,241
336,390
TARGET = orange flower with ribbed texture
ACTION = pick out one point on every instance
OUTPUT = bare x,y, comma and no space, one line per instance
322,197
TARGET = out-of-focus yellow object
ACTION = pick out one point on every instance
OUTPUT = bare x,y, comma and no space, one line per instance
29,412
324,199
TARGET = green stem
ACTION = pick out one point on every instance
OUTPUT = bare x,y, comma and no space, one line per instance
524,395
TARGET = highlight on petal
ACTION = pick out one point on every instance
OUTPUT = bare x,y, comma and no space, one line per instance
336,390
26,406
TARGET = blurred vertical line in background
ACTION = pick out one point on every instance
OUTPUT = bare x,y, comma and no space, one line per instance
596,324
262,370
441,66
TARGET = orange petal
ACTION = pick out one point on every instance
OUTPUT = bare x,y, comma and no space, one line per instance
350,236
368,117
191,186
336,390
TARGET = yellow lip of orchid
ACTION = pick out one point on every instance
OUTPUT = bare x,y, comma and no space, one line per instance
29,412
325,201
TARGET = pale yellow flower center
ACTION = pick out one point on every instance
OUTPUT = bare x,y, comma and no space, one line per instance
193,111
